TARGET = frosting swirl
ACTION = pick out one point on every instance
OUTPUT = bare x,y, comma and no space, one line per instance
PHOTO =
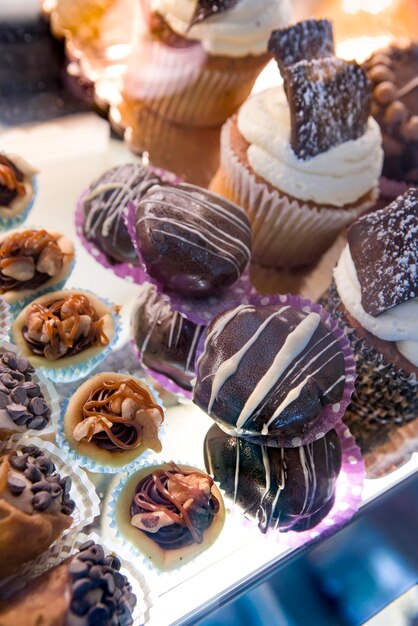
241,30
174,507
397,324
337,177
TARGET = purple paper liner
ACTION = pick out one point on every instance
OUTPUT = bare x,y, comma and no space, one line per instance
160,379
197,310
332,413
348,491
127,271
391,189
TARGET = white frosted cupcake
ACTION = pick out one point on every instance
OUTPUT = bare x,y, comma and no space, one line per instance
303,159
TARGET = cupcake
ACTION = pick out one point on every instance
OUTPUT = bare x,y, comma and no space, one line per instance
111,419
374,296
196,62
103,205
393,72
35,506
32,261
86,588
65,333
17,190
303,159
23,405
278,488
276,375
165,341
170,513
191,241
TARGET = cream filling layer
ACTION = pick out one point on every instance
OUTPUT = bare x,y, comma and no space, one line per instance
399,324
240,31
339,176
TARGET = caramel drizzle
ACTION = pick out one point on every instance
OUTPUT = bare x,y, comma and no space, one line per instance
8,179
176,511
78,304
109,392
27,243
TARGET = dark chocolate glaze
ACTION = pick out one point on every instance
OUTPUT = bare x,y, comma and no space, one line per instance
284,488
8,195
201,513
191,240
104,212
397,66
166,340
316,373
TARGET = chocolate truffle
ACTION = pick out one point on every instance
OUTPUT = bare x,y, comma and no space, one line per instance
105,203
284,488
167,341
35,506
268,371
87,589
393,72
191,240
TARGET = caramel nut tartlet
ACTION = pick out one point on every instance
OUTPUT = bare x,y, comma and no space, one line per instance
171,513
63,329
32,260
35,506
112,418
16,185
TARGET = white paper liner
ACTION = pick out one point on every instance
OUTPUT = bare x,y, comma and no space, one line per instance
50,395
82,369
90,464
286,233
5,319
110,530
6,223
82,492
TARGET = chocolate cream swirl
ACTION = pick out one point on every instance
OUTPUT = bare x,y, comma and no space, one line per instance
177,496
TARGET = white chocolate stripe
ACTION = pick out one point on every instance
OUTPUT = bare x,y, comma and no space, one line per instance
193,346
341,378
172,327
231,365
267,471
294,393
295,343
236,477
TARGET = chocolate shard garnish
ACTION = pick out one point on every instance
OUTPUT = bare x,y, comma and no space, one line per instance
307,40
208,8
329,101
384,249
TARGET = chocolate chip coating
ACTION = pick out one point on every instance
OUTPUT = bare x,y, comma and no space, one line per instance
192,241
304,476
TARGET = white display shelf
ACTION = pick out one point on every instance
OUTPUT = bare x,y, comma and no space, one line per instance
70,153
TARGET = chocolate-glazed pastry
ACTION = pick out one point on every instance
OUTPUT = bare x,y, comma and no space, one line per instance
87,589
16,185
35,506
167,342
31,260
112,418
63,328
192,241
280,488
22,403
170,512
394,75
268,372
105,202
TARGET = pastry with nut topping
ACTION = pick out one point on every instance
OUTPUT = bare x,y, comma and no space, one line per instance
87,589
35,506
17,189
112,418
171,513
32,261
64,329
